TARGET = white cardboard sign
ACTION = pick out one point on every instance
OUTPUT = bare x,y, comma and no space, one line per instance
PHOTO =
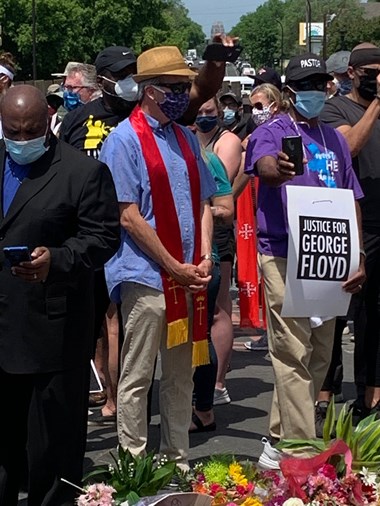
323,251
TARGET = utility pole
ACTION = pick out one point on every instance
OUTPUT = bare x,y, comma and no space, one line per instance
282,46
308,25
34,64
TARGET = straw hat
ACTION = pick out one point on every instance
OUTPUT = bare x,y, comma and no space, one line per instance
162,61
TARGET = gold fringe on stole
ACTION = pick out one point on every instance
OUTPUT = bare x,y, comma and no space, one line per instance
178,333
201,355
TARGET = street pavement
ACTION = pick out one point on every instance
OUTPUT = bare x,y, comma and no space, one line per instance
240,424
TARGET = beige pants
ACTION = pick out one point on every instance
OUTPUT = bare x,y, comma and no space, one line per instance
144,321
300,357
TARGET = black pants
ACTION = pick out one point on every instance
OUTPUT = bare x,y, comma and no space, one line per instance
334,376
205,375
367,319
47,415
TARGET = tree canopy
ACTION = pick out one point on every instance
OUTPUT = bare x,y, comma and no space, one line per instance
260,31
77,30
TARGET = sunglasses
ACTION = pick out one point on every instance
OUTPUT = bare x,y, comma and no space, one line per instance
176,88
259,106
369,72
309,85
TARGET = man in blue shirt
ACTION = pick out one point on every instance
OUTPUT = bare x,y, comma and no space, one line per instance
163,188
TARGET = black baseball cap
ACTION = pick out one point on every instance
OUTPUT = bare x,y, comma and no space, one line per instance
267,75
114,59
306,65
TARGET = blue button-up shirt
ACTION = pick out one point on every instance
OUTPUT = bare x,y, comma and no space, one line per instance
122,153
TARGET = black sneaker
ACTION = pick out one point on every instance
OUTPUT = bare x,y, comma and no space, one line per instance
360,410
320,417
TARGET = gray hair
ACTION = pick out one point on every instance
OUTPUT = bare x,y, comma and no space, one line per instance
154,81
88,72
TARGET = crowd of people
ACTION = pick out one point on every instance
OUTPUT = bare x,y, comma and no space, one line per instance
123,184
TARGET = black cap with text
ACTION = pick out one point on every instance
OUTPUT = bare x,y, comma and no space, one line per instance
306,65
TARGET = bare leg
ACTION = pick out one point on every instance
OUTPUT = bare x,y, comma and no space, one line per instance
111,359
222,329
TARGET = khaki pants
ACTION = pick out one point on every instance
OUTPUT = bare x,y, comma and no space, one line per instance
300,358
144,322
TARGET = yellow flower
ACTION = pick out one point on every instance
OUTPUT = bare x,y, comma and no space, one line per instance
236,473
252,501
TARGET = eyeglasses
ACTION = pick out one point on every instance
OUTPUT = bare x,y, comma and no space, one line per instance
74,89
176,88
309,85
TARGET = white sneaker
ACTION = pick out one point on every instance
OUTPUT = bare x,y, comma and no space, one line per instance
221,396
270,457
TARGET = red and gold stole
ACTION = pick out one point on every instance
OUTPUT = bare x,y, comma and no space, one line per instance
169,233
250,293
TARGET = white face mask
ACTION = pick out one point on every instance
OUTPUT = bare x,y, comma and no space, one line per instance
126,88
260,116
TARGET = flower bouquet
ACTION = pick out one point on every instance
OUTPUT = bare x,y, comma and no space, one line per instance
227,481
127,480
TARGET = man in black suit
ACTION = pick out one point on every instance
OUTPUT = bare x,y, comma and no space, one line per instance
62,205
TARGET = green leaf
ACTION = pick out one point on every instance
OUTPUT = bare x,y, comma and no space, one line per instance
132,498
329,424
298,444
99,471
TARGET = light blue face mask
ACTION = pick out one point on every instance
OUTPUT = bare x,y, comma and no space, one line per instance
309,103
229,116
24,152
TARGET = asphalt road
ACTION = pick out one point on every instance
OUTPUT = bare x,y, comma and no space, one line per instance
240,424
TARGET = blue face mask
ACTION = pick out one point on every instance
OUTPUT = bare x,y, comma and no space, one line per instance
309,103
71,100
24,152
345,86
229,116
206,123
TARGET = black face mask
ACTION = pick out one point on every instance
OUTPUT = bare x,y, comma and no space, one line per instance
367,87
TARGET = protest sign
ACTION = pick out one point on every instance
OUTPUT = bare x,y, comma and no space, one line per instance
323,251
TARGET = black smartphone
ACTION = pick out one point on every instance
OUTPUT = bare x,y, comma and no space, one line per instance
17,254
292,146
218,52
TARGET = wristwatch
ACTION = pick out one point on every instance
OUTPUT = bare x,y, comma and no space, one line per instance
208,256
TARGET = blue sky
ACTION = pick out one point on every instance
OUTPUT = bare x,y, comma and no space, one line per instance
205,12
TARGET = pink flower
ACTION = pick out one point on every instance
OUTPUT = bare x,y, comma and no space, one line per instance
97,494
328,470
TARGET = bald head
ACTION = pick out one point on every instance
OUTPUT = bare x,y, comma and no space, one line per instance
23,97
24,113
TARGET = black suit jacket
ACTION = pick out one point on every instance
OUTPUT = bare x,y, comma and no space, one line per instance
68,204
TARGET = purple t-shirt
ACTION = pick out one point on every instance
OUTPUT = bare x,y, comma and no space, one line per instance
328,165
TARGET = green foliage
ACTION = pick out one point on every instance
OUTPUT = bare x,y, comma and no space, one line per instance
363,440
78,30
134,477
260,31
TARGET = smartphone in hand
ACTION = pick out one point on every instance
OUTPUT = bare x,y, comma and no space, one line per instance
219,52
292,146
17,254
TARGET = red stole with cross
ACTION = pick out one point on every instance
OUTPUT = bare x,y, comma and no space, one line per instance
169,233
251,295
